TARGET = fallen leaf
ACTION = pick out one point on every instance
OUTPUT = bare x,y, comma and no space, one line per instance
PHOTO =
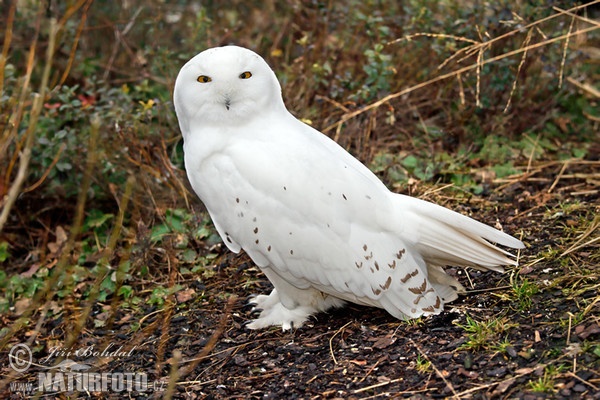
21,305
61,238
31,271
185,295
61,235
503,386
524,371
468,374
589,330
384,342
126,318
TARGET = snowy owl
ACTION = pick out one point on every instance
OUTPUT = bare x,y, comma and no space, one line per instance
319,224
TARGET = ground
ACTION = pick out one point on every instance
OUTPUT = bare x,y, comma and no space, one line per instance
498,341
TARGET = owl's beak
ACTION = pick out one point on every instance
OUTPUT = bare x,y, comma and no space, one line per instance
227,103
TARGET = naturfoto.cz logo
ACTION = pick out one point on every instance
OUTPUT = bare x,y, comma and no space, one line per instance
71,376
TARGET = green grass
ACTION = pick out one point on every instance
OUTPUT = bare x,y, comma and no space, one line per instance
485,334
423,365
546,382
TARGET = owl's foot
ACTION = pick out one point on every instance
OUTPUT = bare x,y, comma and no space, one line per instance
273,313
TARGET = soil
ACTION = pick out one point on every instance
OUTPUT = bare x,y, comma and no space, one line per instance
360,352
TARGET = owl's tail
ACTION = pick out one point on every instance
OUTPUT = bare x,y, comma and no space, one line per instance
444,237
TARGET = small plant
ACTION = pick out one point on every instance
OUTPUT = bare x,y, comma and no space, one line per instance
160,293
484,334
423,364
415,321
572,320
4,253
523,293
503,347
544,384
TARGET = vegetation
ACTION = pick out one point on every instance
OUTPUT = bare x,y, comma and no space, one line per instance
489,108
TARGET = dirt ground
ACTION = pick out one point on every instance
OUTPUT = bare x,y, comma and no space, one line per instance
360,352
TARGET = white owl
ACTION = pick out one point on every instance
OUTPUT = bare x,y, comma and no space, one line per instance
319,224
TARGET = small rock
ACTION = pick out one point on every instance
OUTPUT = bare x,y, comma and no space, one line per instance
240,360
579,388
527,353
497,372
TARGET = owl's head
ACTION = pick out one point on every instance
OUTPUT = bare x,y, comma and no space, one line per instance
225,86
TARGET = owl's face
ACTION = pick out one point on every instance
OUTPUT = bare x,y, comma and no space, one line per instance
224,86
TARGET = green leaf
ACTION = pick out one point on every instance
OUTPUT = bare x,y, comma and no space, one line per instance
4,254
126,291
189,255
410,162
97,218
158,232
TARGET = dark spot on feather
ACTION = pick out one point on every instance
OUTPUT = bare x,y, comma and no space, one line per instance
409,275
344,196
387,283
428,309
256,241
256,230
269,248
376,292
420,289
376,265
400,254
359,266
392,265
365,247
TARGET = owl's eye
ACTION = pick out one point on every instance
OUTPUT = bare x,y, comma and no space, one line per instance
245,75
204,79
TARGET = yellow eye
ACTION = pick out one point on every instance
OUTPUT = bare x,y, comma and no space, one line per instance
245,75
204,79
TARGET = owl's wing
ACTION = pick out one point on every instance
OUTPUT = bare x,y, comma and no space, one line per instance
298,203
